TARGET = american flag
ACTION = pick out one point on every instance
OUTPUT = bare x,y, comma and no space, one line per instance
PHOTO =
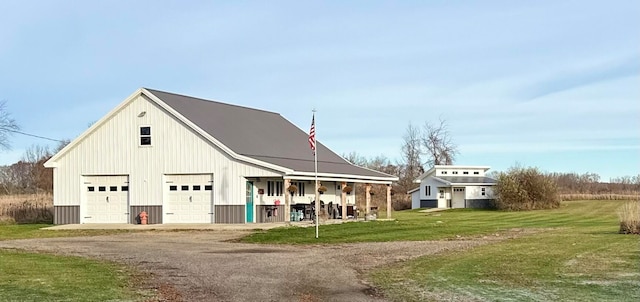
312,134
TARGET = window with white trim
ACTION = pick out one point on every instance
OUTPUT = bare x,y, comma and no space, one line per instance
476,173
274,188
145,135
427,189
484,192
465,172
441,193
300,185
454,172
443,172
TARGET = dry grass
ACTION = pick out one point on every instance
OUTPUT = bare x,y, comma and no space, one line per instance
26,208
629,215
630,196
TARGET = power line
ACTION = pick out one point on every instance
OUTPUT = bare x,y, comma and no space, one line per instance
32,135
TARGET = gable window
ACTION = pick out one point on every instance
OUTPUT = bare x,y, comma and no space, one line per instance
427,189
145,136
274,188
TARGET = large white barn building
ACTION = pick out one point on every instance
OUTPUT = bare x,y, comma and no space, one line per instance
188,160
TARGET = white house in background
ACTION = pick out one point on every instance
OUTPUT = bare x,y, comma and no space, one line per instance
188,160
453,187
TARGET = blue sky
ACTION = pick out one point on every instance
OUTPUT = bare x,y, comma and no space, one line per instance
552,84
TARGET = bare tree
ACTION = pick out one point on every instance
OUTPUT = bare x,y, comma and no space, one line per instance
7,126
411,163
437,144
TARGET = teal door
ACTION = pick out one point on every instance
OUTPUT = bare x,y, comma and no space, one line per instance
249,201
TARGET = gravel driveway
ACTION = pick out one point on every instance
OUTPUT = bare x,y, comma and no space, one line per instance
206,266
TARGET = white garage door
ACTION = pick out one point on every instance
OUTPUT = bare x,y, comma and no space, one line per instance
107,199
189,198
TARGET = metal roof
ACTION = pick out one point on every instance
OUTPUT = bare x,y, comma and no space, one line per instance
262,135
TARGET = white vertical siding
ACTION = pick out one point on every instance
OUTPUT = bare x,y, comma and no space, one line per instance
113,149
475,192
333,194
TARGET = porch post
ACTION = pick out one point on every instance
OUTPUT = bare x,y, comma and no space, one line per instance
388,201
287,201
367,198
343,197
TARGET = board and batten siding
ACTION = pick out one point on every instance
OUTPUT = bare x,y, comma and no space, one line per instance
113,148
333,193
475,192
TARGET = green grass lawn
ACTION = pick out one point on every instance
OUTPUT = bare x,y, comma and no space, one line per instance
25,231
576,254
42,277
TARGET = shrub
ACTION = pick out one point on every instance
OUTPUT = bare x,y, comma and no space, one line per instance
521,189
629,215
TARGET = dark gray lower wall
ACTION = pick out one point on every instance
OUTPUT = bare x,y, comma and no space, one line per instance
229,214
66,214
154,214
479,203
428,203
267,214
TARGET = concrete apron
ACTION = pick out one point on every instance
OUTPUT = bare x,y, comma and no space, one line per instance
189,226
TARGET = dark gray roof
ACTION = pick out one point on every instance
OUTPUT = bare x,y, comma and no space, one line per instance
259,134
471,179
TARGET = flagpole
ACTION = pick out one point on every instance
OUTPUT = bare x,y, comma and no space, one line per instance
315,161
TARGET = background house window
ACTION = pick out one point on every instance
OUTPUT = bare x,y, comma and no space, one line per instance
444,172
465,172
441,194
427,189
484,192
274,188
454,172
145,136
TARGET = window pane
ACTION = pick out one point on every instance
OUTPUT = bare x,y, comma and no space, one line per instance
124,188
145,141
113,188
91,189
145,130
208,188
102,189
173,188
196,188
185,188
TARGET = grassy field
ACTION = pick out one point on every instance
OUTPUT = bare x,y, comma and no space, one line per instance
413,225
42,277
576,254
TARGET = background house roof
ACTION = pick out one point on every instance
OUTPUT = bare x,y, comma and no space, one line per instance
261,135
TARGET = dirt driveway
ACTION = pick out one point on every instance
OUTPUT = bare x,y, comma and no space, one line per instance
205,266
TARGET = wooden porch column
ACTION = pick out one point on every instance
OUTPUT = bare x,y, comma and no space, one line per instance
367,198
343,197
388,201
287,201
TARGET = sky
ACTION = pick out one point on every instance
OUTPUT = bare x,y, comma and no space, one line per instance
548,84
